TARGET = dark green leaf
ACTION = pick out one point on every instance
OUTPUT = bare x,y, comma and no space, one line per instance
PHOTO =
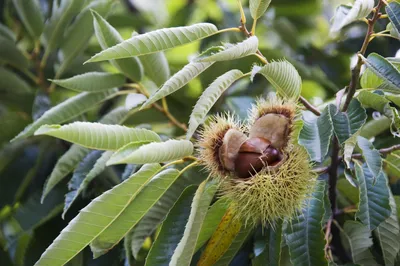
393,11
271,248
7,33
371,155
30,15
12,83
10,54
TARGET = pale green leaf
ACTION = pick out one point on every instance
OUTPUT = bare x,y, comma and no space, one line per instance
374,206
149,195
258,8
239,50
388,234
95,218
12,83
385,70
171,230
316,134
92,81
156,41
393,11
186,247
393,164
178,80
349,146
209,52
345,124
371,155
133,100
307,226
209,97
138,153
10,54
370,80
359,10
30,15
91,166
283,77
359,240
98,136
375,127
67,110
156,67
107,36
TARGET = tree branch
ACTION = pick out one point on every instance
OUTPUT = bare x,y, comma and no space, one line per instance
309,106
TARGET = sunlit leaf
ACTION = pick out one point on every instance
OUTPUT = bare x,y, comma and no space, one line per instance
98,136
133,100
156,67
258,8
138,153
178,80
95,218
67,110
156,41
92,82
107,36
30,15
283,77
393,11
209,97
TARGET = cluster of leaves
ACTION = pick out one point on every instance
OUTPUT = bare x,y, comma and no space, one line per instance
134,160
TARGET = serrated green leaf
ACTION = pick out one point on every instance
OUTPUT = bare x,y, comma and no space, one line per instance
92,81
359,10
10,54
385,70
268,250
154,152
388,234
209,52
239,50
7,33
393,11
90,167
308,227
178,80
359,240
156,41
258,8
12,83
95,218
283,77
371,155
209,97
316,134
156,67
171,230
213,218
107,36
98,136
149,195
374,206
345,124
30,15
186,247
67,110
133,100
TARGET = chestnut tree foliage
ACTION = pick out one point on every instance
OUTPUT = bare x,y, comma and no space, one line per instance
101,103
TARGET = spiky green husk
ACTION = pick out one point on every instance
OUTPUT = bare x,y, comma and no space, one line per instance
272,195
211,138
272,105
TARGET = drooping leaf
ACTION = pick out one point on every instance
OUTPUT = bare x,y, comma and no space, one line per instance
345,16
66,110
98,136
12,83
186,247
91,166
156,41
92,82
359,240
178,80
172,230
385,70
209,97
371,155
345,124
228,229
10,54
133,100
283,77
374,206
151,191
270,251
107,36
316,134
156,67
393,11
95,218
349,146
388,234
258,8
308,227
239,50
30,15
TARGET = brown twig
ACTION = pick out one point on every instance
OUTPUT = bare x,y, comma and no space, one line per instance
309,106
381,151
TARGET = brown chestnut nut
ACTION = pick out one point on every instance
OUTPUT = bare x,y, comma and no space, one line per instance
254,154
